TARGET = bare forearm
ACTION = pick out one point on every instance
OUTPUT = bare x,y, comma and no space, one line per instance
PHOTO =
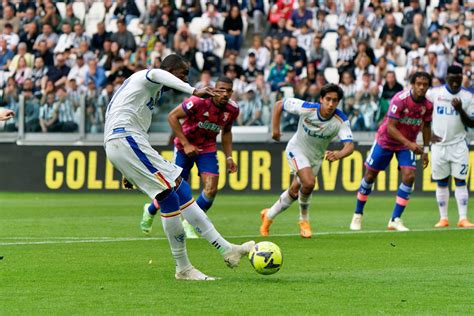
395,134
227,143
177,129
465,119
346,150
276,117
426,134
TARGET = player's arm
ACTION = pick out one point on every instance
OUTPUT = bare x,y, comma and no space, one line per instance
227,147
173,119
394,133
276,119
345,135
6,115
426,143
167,79
465,118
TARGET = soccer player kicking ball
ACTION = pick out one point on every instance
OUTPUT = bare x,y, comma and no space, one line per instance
128,119
409,112
453,112
319,123
195,143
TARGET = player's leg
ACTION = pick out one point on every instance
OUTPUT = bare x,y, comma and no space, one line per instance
440,172
377,160
209,172
306,177
459,155
203,225
151,209
407,164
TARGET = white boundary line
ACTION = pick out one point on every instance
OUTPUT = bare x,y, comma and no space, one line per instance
77,240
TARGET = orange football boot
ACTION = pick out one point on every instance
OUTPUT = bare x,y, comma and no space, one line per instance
465,223
266,222
305,229
443,222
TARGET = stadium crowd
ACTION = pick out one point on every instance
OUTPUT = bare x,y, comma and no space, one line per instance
65,60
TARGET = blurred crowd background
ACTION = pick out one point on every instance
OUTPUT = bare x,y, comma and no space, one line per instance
61,61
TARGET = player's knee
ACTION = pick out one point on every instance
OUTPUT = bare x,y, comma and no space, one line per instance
408,178
370,176
308,186
210,192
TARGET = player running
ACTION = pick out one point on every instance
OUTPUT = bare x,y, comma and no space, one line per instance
409,112
195,143
128,119
453,112
319,123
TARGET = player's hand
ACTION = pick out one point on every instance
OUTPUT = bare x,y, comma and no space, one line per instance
6,115
276,135
231,165
457,104
127,184
435,138
190,150
204,92
426,160
417,149
332,155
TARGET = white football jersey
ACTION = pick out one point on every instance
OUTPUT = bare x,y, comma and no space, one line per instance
447,122
315,133
130,109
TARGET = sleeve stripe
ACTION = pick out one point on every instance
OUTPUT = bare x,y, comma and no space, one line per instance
148,78
346,140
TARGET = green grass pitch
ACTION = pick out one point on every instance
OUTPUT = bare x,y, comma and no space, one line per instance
83,254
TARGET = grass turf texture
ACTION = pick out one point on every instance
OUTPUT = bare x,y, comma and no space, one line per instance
425,272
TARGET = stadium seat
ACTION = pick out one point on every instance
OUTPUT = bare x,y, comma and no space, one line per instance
332,21
288,92
196,26
401,73
220,40
61,8
199,60
332,75
141,6
111,26
134,27
329,41
95,15
79,9
333,55
398,17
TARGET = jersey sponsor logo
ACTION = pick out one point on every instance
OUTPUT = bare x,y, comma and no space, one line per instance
394,109
441,98
315,133
446,110
411,121
150,104
316,126
209,126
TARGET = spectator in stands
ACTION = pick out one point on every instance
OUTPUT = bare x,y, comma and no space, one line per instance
6,55
205,80
257,14
415,32
31,107
30,35
24,6
250,109
262,53
261,88
120,71
239,83
348,86
299,17
48,115
98,39
285,8
29,17
393,52
348,18
58,73
312,94
149,38
167,18
190,9
51,17
151,15
461,49
362,66
279,30
84,51
94,124
410,12
454,13
278,72
381,70
12,38
390,88
233,29
362,30
47,35
318,55
80,36
43,52
304,37
211,17
79,71
96,74
66,123
345,55
320,25
160,51
127,10
70,18
366,100
232,62
376,19
22,53
74,94
124,37
295,56
66,39
391,29
10,18
251,69
435,66
22,72
103,101
275,48
39,72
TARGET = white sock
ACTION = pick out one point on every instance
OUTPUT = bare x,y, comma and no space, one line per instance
304,201
280,205
442,197
203,225
462,197
175,233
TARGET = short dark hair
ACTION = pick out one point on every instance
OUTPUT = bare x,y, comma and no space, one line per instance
173,61
421,74
454,70
225,79
331,87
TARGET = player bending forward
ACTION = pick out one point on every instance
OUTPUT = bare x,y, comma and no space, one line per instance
409,112
452,113
319,123
195,143
128,119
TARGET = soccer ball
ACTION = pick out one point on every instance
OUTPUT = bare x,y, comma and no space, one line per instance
266,258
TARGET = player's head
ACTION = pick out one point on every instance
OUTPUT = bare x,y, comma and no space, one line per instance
420,82
331,94
224,89
176,65
454,78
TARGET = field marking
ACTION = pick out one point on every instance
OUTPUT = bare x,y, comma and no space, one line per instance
76,240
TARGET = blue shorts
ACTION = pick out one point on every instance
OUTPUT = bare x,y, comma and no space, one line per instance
379,158
206,163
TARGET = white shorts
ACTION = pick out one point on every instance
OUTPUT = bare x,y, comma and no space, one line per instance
298,160
140,164
451,160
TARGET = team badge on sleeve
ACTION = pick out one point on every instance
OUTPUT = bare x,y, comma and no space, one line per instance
189,105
